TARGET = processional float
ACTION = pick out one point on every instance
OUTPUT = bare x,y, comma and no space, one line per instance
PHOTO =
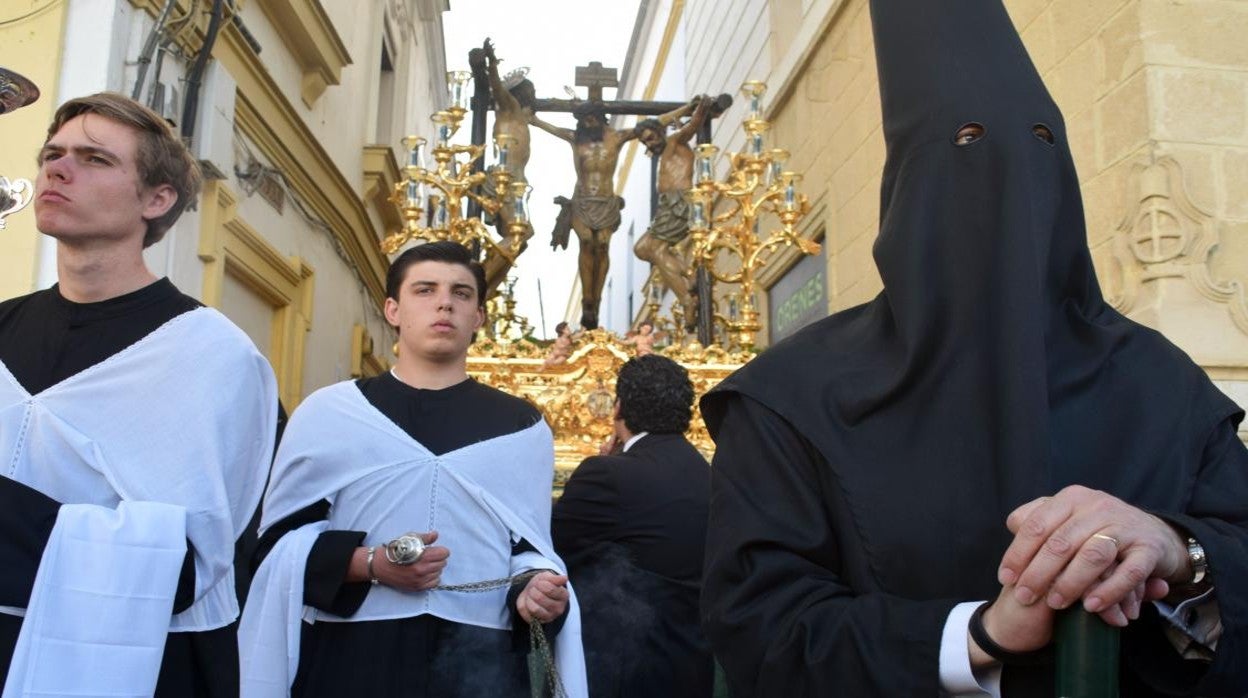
741,210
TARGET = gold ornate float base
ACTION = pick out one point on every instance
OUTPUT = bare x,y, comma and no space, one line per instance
577,395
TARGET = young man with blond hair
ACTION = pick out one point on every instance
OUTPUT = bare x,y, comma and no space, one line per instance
136,428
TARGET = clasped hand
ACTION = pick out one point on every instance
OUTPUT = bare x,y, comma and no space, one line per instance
1081,545
544,598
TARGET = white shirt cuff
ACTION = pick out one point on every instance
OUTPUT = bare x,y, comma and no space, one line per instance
956,675
1194,626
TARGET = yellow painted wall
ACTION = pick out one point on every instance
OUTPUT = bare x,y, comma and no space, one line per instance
31,46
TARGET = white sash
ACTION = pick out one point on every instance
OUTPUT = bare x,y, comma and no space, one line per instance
100,608
268,635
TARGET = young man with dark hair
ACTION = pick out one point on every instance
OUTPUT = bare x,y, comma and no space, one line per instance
632,525
370,475
136,427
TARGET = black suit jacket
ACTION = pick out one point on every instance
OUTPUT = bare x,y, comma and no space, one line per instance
632,529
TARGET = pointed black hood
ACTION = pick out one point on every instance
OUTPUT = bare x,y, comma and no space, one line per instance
1001,206
989,370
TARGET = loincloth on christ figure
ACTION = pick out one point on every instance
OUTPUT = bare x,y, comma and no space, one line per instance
597,212
671,220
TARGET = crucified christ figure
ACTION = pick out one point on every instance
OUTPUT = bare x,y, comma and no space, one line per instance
594,209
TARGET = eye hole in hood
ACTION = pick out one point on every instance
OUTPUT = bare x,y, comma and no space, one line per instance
968,133
1043,132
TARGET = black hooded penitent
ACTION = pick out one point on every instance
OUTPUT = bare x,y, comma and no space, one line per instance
866,466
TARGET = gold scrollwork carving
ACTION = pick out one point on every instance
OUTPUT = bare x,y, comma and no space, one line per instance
576,396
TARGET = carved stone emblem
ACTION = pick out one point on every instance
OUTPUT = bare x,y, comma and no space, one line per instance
1163,249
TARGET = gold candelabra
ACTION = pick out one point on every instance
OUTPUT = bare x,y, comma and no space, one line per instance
673,328
504,323
432,200
726,217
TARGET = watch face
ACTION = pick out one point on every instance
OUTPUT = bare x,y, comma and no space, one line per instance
1196,556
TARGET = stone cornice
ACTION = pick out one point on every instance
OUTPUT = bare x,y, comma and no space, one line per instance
264,114
312,40
381,174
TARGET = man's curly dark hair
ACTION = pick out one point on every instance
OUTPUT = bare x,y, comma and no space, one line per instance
655,395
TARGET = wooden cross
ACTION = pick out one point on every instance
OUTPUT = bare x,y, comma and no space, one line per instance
596,77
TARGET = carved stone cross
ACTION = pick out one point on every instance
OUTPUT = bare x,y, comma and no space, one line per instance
596,77
1160,234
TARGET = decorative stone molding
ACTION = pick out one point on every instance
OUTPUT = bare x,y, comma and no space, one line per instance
264,115
429,10
312,39
1162,252
381,173
228,245
400,17
364,361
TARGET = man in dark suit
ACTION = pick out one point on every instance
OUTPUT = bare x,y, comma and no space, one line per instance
631,526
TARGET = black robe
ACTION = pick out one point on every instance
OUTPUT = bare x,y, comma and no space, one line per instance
423,655
632,529
865,466
45,339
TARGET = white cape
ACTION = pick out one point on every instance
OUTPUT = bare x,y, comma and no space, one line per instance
480,498
186,416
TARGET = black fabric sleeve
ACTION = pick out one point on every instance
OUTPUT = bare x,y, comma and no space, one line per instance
184,595
585,516
776,607
318,511
1217,517
324,582
26,520
520,640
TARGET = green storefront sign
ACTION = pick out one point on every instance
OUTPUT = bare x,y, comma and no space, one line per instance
799,298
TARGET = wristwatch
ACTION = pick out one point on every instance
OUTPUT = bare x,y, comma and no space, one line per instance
1200,563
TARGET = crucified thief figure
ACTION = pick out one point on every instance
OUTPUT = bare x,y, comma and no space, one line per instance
671,221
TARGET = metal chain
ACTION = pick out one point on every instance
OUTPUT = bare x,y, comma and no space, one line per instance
537,637
489,584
